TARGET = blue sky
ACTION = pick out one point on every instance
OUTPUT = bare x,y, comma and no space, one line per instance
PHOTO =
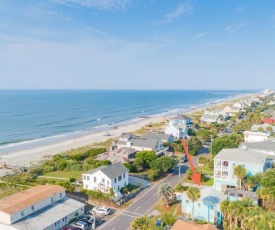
137,44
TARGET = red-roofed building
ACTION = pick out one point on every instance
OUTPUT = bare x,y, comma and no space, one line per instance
268,120
181,225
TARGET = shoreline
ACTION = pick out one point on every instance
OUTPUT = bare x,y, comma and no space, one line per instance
32,155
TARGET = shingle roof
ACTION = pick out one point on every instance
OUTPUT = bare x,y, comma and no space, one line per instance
159,136
210,117
181,117
111,171
261,145
147,143
181,225
242,155
24,199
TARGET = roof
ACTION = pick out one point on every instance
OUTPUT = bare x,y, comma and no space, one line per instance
181,224
146,142
55,212
264,126
242,155
268,111
117,155
241,193
210,117
256,133
127,135
209,192
261,145
181,117
159,136
26,198
111,171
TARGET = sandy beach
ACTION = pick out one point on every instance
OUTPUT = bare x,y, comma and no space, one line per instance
26,157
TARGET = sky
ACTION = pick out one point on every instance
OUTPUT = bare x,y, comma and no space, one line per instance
137,44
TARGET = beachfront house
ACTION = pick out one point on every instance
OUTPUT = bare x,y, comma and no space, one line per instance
225,161
263,127
104,178
209,118
255,136
141,143
164,137
178,131
180,119
123,155
207,207
39,207
230,111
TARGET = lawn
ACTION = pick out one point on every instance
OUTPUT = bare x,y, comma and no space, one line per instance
7,190
206,170
162,208
209,182
64,174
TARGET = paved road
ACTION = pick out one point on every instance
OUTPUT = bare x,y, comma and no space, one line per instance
145,201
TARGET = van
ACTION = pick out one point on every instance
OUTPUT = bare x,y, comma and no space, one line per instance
81,224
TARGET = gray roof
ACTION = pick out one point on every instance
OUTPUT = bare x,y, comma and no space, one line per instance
210,117
242,155
147,143
111,171
181,117
261,145
242,193
158,136
268,111
127,135
209,193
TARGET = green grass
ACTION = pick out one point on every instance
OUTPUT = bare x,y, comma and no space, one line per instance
206,170
162,208
8,190
64,174
209,182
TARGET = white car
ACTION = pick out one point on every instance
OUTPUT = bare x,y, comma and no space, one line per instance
101,211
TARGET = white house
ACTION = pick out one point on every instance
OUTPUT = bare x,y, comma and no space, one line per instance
40,207
230,111
267,147
164,137
255,136
214,112
180,119
208,118
177,130
104,178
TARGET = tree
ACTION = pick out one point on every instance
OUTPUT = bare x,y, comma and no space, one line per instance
146,156
240,172
163,163
140,223
204,134
193,194
226,141
168,219
138,164
260,129
167,194
269,129
194,144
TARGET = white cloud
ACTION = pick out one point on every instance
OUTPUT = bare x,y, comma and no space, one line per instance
199,35
182,9
235,27
100,4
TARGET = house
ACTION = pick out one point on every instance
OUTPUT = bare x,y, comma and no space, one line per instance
267,147
231,111
214,112
140,143
104,178
177,130
182,225
255,136
207,207
180,119
123,155
239,104
225,161
208,118
269,112
164,137
39,207
255,128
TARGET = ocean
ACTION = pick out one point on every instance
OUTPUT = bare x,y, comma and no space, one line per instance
30,118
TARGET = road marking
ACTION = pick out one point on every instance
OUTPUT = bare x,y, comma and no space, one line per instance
134,213
128,215
137,208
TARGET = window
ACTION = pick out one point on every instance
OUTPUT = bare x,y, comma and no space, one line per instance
63,219
22,213
95,179
115,180
88,178
60,195
212,207
118,188
124,175
199,214
66,219
84,177
32,208
103,180
119,178
52,199
187,202
199,205
107,182
225,164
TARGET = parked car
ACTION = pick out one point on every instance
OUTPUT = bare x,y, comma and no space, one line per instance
81,224
183,159
101,211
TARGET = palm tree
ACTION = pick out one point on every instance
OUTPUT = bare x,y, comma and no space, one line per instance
202,160
166,192
193,194
240,172
141,223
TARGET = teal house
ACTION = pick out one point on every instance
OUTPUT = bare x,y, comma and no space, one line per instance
207,208
225,161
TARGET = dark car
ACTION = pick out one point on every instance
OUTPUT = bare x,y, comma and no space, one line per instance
184,159
71,228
